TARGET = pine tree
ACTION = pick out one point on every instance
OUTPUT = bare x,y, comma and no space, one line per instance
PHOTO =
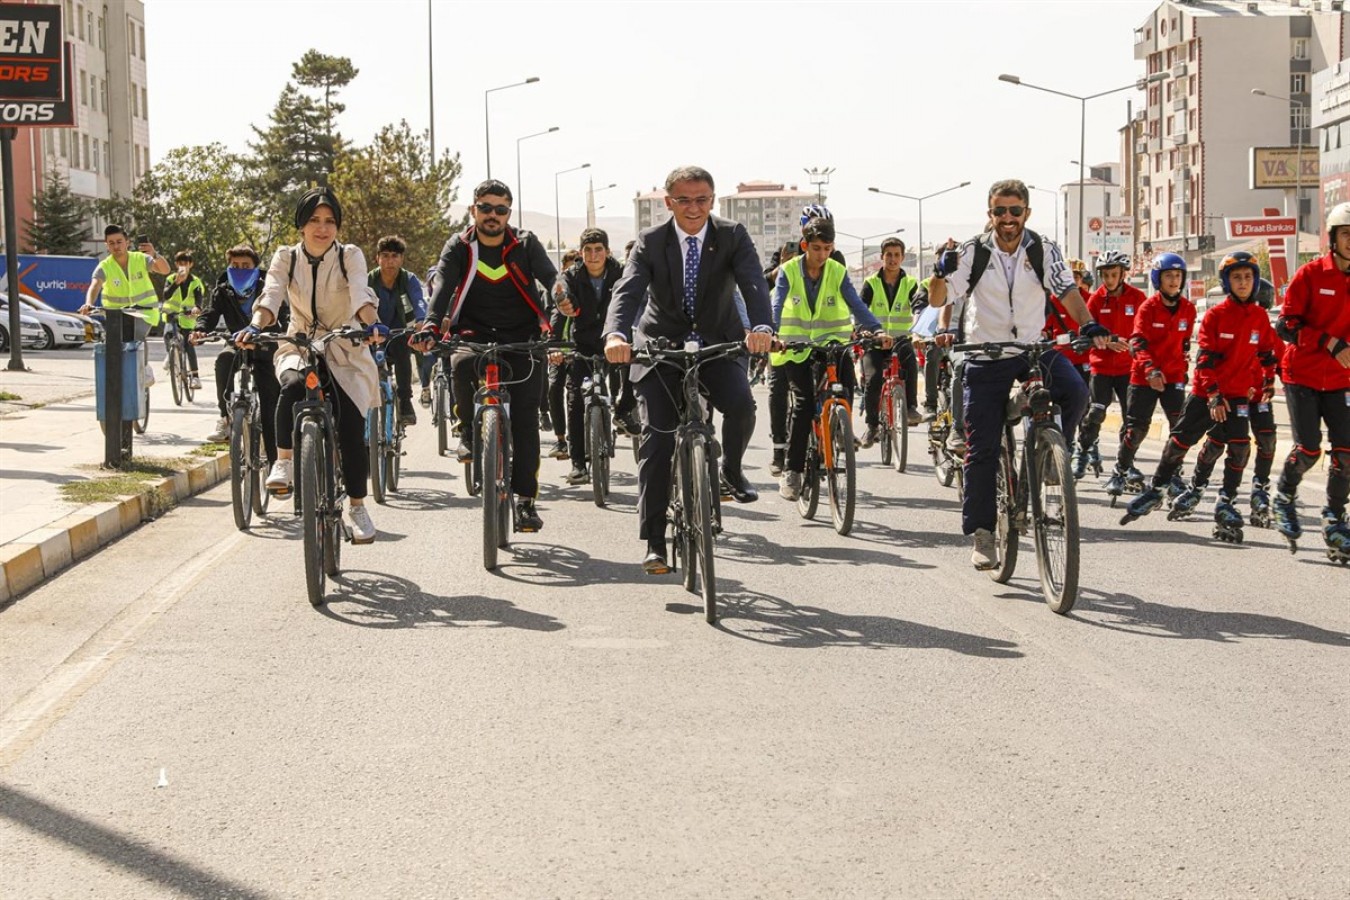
60,225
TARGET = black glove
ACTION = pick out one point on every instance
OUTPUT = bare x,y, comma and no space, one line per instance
947,263
1094,330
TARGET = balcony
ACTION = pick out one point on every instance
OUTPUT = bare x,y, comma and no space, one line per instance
1179,70
1141,146
1179,103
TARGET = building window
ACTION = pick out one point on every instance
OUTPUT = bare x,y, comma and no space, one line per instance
141,29
101,39
1191,50
136,159
61,144
131,36
145,103
1298,83
103,95
89,24
1300,50
84,90
1298,117
79,18
107,158
146,150
96,166
70,20
84,145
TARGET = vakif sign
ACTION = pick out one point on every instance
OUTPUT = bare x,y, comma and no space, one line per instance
1283,167
31,63
1259,227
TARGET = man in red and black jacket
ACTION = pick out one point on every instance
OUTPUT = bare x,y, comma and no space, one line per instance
1315,324
1114,306
486,292
1161,344
1235,368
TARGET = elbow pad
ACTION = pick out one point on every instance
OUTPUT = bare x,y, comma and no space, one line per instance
1266,357
1138,344
1209,359
1288,327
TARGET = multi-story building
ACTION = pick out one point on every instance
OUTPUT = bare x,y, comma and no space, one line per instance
1331,118
1192,155
770,212
650,209
1101,199
108,151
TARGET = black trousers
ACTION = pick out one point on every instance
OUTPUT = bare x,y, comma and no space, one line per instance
399,355
932,362
264,380
874,363
1102,390
728,388
1195,421
578,370
778,407
802,378
349,421
557,410
521,379
1308,410
1140,403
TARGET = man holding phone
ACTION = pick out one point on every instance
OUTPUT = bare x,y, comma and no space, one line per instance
123,278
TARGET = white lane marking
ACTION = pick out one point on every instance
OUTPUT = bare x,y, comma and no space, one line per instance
26,721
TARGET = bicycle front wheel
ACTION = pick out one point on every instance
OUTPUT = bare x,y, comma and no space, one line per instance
241,480
899,429
700,519
175,374
1005,509
597,441
841,470
187,374
1056,521
887,423
312,508
393,460
257,463
493,465
440,414
374,428
808,497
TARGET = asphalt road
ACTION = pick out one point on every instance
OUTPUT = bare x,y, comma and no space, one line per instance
871,718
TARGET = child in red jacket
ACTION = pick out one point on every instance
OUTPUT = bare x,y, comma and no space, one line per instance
1236,366
1114,305
1315,324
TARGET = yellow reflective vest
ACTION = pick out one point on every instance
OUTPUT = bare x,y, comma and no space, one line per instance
895,320
131,288
180,299
830,319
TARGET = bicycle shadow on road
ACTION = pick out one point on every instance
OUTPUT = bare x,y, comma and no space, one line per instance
549,565
777,622
755,549
419,499
1135,615
378,600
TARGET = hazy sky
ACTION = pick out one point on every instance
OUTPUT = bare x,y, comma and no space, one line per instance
901,95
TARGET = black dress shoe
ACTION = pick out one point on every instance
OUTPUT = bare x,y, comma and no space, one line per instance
738,487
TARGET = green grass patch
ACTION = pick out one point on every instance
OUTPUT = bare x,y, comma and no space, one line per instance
133,478
6,395
210,449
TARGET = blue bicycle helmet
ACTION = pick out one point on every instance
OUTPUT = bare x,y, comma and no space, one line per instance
1166,262
814,211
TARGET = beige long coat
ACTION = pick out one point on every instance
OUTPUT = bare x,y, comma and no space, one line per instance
337,300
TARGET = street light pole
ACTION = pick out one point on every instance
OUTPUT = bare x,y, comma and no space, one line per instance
1082,129
557,213
520,186
1054,194
431,87
590,202
919,200
487,124
820,178
1298,168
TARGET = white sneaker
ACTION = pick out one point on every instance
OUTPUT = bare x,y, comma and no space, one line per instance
196,383
984,555
279,479
222,432
363,530
790,487
149,376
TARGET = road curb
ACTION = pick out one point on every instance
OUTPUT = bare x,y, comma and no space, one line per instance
31,559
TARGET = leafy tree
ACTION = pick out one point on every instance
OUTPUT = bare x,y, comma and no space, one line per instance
60,224
329,74
392,187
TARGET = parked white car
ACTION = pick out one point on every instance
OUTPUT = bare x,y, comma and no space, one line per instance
30,331
59,328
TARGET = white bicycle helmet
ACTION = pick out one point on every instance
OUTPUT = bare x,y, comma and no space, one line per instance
1113,258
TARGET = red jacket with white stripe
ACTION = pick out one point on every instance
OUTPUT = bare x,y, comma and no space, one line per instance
1237,351
1116,314
1315,315
1162,340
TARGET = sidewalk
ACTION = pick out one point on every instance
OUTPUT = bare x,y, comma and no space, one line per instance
51,437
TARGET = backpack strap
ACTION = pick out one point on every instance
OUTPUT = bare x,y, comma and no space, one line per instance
983,252
342,263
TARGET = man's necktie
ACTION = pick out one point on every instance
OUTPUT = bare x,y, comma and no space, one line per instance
690,277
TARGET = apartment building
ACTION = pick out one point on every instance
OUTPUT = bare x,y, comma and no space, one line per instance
1192,141
770,212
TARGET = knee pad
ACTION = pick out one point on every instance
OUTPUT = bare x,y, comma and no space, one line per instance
1265,444
1134,436
1096,414
1210,452
1174,453
1338,466
1301,459
1238,454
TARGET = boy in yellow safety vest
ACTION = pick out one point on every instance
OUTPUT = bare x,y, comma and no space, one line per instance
123,278
182,305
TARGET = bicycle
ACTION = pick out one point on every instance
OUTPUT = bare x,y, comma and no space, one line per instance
442,406
385,430
695,512
248,459
319,491
488,471
895,412
598,430
830,448
947,466
1041,477
180,377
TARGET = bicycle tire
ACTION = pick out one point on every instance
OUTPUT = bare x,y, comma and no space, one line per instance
900,429
684,516
841,477
374,452
1056,536
440,412
140,424
597,447
393,465
241,480
808,498
1005,500
313,527
505,515
491,469
701,491
257,462
175,383
188,390
332,508
884,408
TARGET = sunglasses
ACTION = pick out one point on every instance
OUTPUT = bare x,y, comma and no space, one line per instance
1014,211
499,209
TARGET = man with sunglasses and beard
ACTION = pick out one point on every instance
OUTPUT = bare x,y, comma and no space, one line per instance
486,286
1006,301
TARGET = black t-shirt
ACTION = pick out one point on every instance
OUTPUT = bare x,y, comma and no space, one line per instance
493,307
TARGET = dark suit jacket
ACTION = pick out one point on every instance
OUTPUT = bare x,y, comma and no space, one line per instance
655,274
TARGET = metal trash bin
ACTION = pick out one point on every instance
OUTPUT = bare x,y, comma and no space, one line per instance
133,381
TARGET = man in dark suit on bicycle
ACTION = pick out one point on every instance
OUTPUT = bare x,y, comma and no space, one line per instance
686,272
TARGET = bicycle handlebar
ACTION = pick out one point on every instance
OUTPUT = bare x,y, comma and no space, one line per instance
533,348
699,355
996,349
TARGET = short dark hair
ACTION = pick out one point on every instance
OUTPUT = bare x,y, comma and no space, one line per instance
183,256
110,230
239,250
593,236
1010,187
893,242
495,188
818,230
391,243
689,173
570,257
